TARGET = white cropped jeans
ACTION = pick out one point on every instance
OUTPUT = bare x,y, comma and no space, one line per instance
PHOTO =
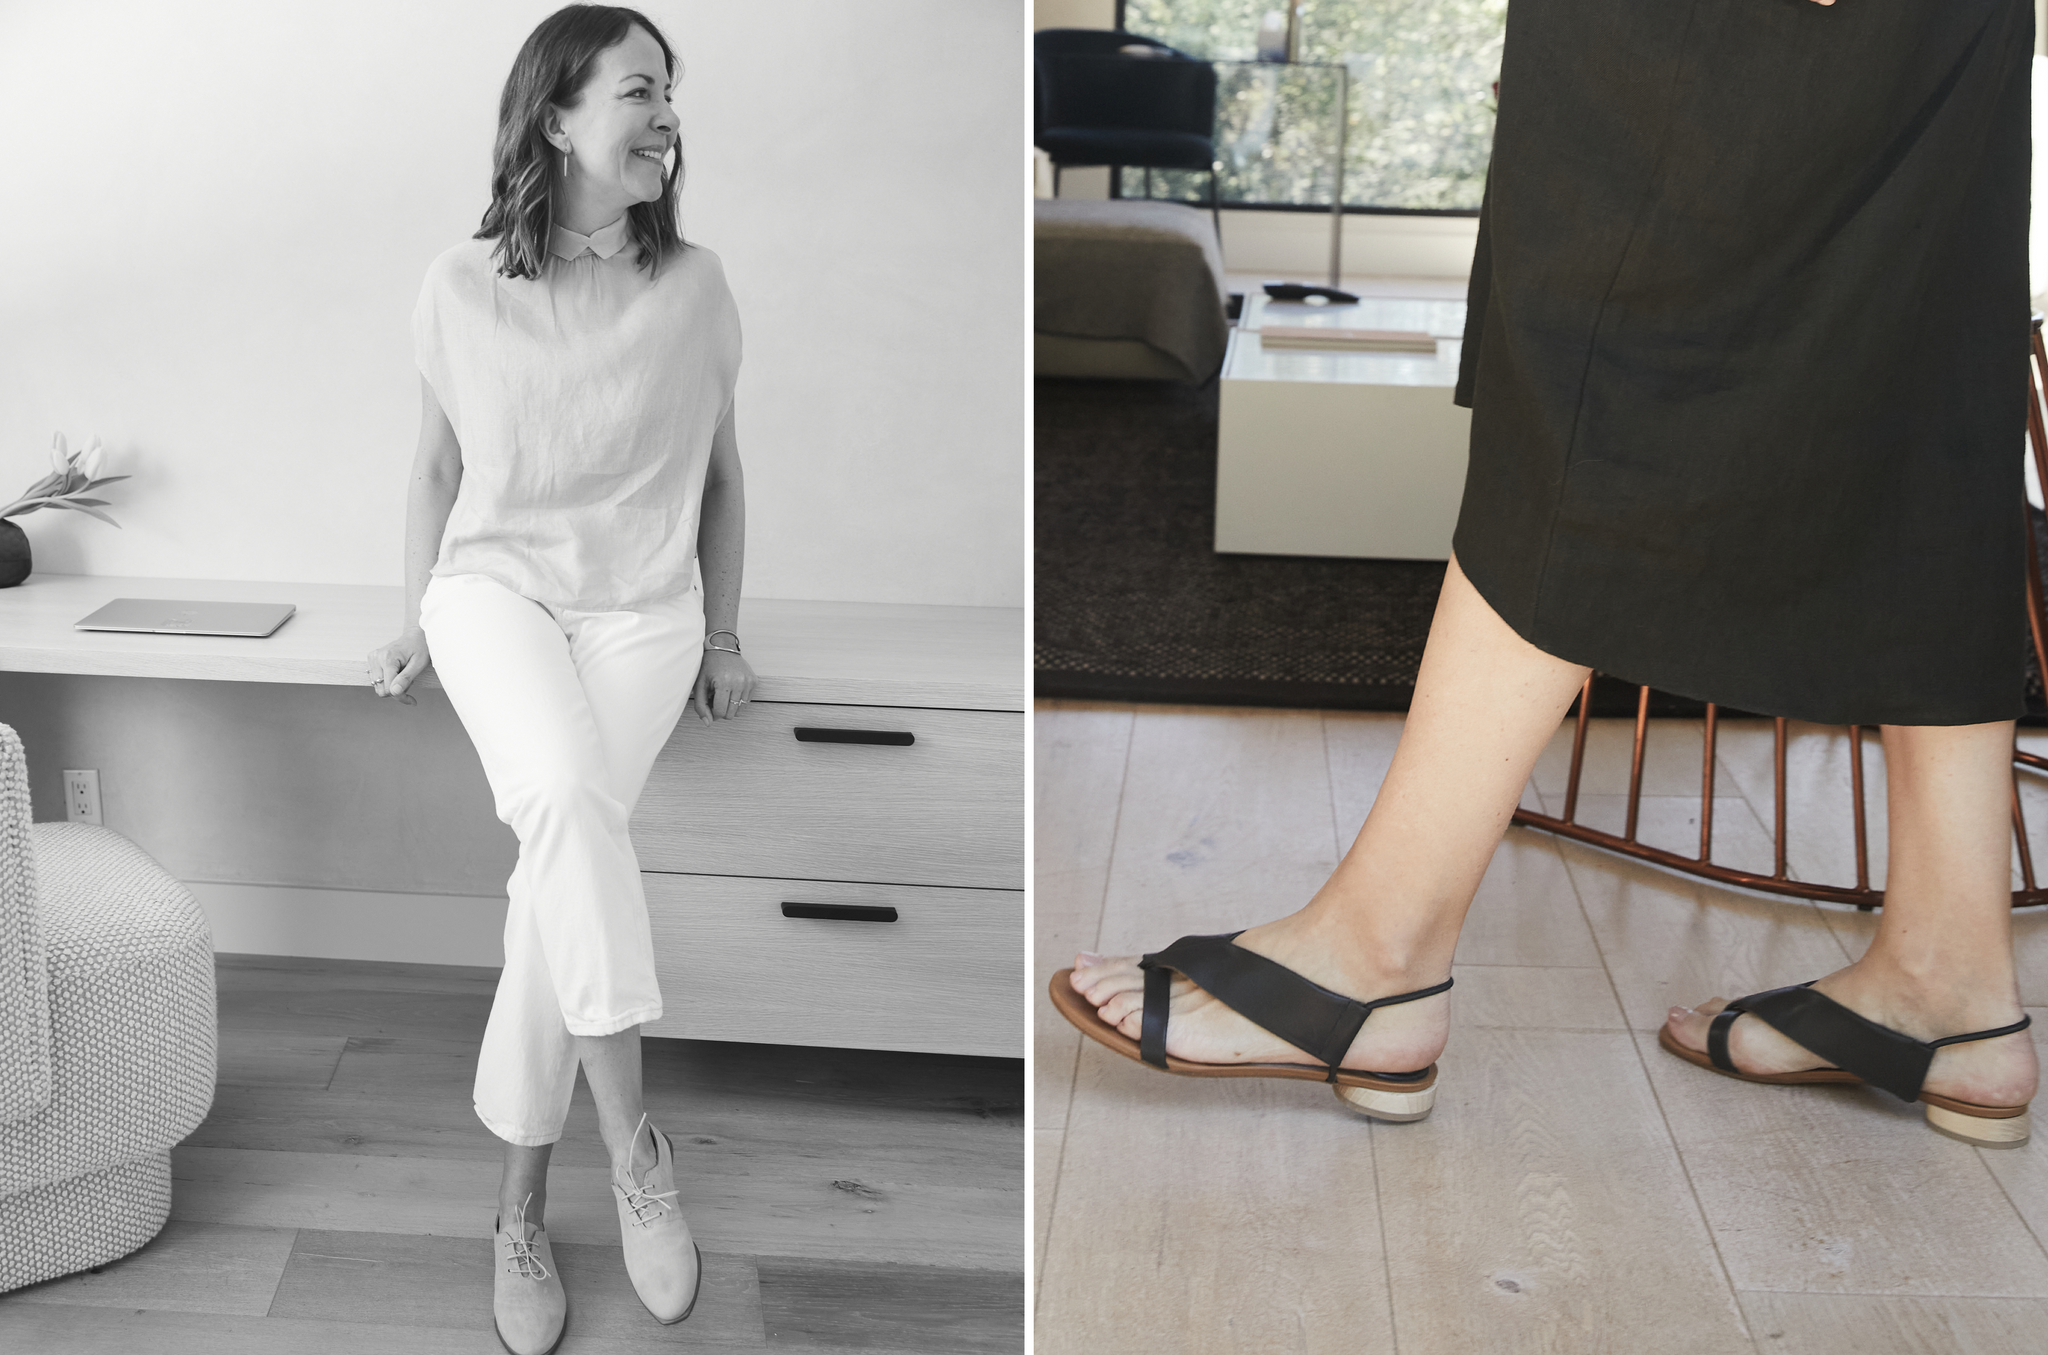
567,710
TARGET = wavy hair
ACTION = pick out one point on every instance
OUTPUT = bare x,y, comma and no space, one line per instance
552,67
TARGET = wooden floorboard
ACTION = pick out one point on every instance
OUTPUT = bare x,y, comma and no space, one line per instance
340,1195
403,1281
188,1267
855,1303
1858,1324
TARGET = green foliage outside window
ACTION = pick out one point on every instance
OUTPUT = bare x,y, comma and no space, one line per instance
1420,105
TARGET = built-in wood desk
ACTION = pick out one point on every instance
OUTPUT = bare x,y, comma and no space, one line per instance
743,817
891,653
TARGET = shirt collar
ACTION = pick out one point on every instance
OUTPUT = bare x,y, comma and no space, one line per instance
604,242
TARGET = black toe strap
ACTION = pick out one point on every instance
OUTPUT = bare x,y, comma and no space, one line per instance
1270,995
1158,994
1717,1036
1879,1055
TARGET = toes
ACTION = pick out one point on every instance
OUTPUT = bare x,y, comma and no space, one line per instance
1106,981
1688,1025
1122,1006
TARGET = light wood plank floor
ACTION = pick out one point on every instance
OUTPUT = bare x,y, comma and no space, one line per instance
340,1196
1577,1190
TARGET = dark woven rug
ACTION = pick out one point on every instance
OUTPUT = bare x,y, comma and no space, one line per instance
1134,604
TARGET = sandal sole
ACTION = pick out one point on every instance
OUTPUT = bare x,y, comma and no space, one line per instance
1398,1100
1964,1121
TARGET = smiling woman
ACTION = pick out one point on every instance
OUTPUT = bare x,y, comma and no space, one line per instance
607,128
576,465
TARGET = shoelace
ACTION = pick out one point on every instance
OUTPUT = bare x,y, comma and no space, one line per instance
524,1261
647,1205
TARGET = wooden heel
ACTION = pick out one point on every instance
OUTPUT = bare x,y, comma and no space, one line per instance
1398,1107
2005,1132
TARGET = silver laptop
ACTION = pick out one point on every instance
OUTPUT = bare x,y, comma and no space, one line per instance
164,616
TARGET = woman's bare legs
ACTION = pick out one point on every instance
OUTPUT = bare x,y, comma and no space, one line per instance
1486,702
611,1065
1941,962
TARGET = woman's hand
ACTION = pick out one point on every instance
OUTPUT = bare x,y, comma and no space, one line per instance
396,666
725,683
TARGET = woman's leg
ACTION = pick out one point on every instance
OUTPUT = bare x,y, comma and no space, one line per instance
1486,702
611,1065
636,669
525,1182
577,954
1941,962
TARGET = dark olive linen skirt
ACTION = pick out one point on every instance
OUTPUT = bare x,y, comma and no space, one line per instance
1746,351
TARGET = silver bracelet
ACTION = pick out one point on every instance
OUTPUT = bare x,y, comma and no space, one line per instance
721,648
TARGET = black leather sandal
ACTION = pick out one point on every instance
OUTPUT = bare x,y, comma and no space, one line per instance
1862,1051
1270,995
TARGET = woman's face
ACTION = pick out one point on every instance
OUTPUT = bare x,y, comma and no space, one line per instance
622,128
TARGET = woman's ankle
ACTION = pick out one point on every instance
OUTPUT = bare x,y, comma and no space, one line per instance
1946,990
532,1209
636,1152
1368,956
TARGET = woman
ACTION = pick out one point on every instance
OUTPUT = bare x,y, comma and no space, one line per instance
576,457
1745,354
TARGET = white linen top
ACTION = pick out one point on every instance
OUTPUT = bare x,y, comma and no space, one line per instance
585,402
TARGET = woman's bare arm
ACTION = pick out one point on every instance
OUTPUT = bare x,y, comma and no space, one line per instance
725,680
436,476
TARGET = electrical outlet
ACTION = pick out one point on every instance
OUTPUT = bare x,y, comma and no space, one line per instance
82,796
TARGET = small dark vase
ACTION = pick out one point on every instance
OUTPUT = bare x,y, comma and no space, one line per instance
14,559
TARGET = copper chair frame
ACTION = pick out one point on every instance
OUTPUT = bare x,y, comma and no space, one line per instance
1779,881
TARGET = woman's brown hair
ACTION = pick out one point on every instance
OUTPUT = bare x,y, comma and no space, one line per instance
552,67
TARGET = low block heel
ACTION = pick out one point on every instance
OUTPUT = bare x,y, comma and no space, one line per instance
1395,1107
2009,1131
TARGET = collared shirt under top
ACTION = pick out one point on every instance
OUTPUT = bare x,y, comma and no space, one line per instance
585,402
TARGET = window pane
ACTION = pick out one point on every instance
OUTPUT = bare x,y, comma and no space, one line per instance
1214,30
1420,105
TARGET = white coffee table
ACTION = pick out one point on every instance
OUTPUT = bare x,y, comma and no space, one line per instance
1329,452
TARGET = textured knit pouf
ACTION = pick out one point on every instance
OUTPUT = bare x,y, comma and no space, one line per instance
107,1012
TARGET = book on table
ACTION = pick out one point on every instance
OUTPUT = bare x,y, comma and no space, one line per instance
1331,336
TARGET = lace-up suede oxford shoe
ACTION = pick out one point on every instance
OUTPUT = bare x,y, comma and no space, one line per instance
661,1258
527,1301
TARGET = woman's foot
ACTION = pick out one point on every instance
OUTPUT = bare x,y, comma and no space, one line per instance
527,1301
1201,1029
661,1258
1996,1072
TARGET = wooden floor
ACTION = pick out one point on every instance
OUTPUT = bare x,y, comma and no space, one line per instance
340,1196
1577,1190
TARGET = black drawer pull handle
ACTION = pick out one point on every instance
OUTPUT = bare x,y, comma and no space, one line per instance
810,734
840,912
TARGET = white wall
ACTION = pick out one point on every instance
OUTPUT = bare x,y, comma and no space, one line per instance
217,219
220,211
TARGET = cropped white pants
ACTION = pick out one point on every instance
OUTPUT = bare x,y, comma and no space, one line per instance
567,710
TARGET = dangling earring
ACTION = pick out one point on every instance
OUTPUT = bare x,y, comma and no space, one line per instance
565,162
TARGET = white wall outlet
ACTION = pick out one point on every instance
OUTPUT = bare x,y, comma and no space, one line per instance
82,796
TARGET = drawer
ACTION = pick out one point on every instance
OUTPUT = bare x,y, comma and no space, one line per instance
947,976
748,797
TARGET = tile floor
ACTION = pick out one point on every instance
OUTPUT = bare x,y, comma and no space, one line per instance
1577,1190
